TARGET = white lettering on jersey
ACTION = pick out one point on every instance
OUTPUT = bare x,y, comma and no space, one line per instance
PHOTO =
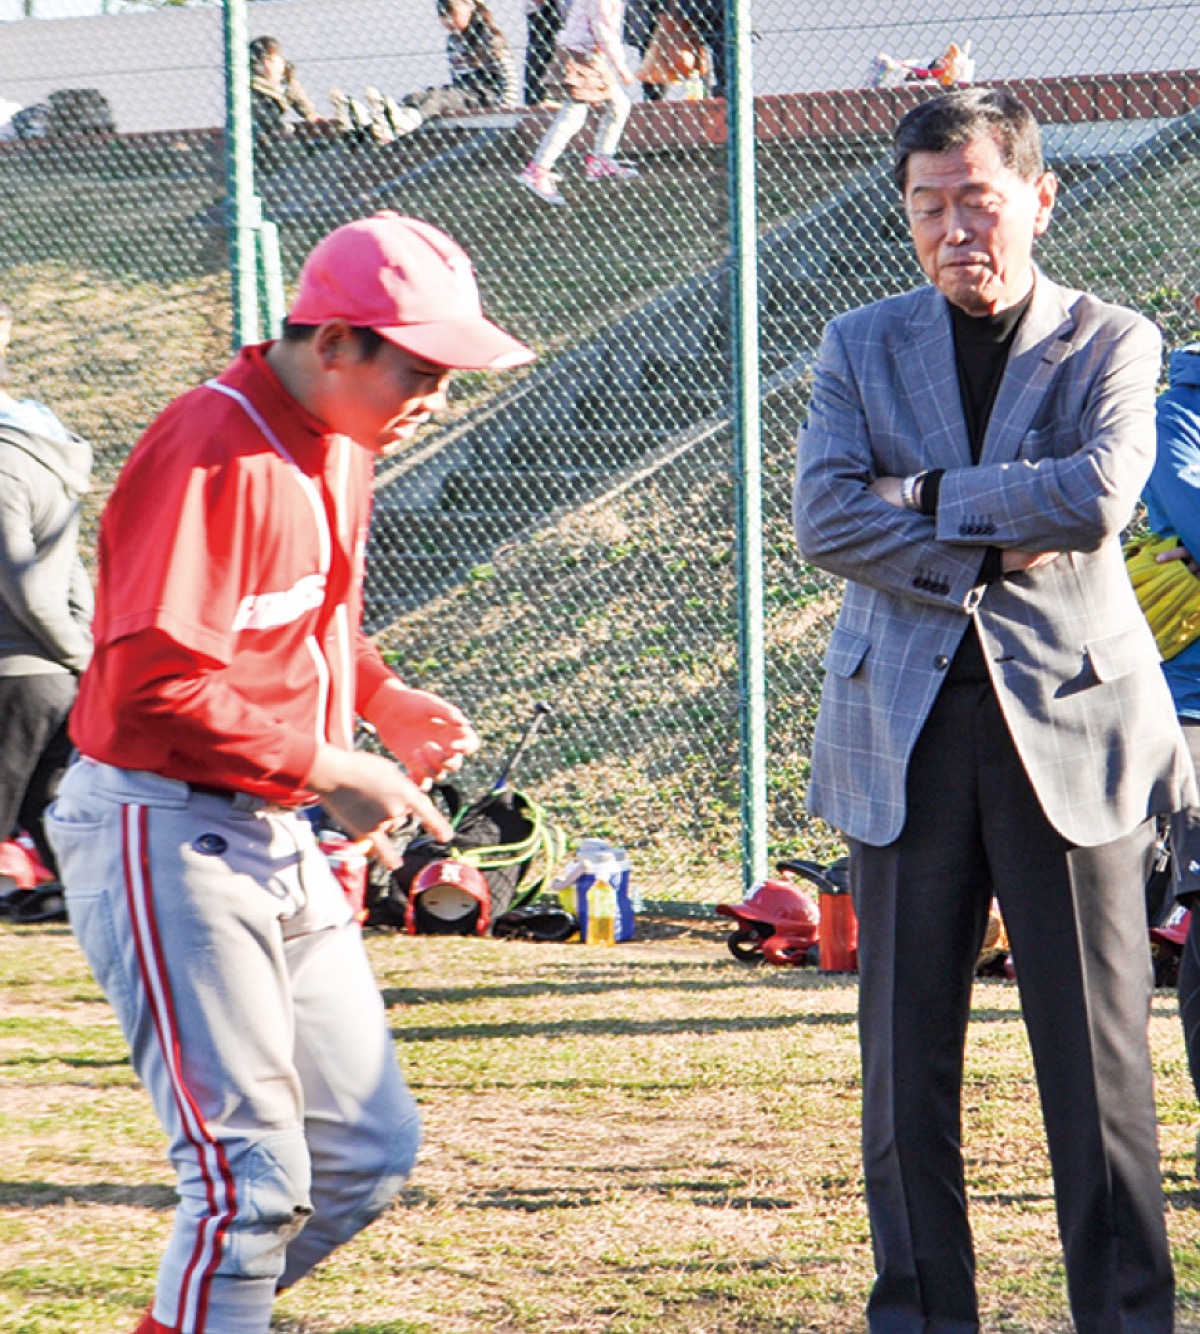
264,611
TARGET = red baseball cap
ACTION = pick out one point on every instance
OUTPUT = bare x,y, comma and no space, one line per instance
410,283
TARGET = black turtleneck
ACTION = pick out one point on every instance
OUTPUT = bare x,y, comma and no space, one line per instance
981,347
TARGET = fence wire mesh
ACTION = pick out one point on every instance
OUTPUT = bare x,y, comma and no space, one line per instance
567,533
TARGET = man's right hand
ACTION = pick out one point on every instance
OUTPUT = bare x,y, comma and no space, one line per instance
369,796
1014,561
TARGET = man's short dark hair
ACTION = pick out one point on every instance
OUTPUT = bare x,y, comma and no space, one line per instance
369,342
957,118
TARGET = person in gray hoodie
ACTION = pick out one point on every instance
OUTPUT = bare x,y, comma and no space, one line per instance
45,602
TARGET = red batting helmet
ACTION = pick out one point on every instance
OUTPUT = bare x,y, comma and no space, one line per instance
449,898
779,922
784,907
1175,929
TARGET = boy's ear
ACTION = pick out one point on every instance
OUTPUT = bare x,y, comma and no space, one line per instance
332,340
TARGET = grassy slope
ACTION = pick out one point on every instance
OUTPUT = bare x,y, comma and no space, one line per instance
625,614
122,303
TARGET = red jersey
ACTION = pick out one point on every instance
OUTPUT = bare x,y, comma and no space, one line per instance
228,636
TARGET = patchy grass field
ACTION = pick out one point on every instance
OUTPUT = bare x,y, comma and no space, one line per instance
649,1138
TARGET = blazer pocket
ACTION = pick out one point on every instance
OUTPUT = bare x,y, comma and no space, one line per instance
846,652
1118,655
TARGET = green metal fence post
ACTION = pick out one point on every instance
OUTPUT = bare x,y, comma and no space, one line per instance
243,212
743,214
270,274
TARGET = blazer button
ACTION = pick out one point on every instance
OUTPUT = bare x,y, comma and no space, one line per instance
941,662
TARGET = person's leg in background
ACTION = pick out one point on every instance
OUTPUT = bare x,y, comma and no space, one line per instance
542,25
601,163
562,129
1186,883
34,749
1185,864
640,19
48,771
1189,1004
538,173
708,17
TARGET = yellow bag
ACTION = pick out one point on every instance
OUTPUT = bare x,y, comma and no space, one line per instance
1169,593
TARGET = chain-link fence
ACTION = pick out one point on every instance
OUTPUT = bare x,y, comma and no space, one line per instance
567,532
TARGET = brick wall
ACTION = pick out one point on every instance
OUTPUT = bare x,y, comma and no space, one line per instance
857,111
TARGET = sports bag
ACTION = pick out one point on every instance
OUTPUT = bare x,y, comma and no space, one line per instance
78,111
504,834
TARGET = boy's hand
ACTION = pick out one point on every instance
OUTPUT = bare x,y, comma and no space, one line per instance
369,796
428,735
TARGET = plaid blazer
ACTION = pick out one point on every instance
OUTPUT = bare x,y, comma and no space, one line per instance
1069,445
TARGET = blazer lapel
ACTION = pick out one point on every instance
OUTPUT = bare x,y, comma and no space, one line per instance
931,376
1042,341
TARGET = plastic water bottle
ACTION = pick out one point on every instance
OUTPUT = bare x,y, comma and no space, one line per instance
601,913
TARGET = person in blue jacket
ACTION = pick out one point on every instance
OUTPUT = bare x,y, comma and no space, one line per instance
1172,498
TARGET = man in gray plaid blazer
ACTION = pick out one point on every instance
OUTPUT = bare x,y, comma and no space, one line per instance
994,720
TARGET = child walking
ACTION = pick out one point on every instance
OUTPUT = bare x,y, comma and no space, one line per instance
593,73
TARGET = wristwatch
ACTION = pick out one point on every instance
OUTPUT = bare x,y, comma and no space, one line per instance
908,491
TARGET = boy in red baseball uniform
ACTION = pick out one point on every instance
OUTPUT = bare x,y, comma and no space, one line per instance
229,668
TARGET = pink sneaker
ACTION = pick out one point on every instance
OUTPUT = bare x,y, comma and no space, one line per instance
600,167
543,183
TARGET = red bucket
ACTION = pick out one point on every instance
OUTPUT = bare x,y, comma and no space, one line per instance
348,861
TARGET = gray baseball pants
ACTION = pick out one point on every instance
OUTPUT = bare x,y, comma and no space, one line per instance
230,956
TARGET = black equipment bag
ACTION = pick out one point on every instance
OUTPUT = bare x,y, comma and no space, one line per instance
78,111
503,834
